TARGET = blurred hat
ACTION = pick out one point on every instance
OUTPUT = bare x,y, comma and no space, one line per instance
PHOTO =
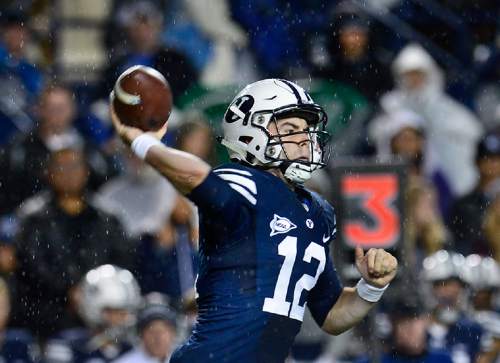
444,265
482,273
345,14
386,126
402,307
488,146
413,57
155,312
354,21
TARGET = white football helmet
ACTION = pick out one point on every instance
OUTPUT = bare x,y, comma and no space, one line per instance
482,273
248,116
108,286
443,265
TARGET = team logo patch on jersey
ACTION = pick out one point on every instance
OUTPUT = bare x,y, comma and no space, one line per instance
280,225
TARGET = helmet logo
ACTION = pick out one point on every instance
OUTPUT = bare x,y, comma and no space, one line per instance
240,109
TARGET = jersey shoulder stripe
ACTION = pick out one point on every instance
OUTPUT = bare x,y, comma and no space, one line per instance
240,181
234,171
244,193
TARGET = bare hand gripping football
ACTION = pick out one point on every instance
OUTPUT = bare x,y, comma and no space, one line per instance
130,133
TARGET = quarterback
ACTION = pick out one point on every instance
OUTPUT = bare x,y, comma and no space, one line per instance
264,238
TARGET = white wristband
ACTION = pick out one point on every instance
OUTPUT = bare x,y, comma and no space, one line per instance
141,145
368,292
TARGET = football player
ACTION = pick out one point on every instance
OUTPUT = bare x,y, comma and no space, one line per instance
109,297
483,275
452,328
264,238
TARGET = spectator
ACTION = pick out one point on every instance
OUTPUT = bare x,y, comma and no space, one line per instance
467,215
166,259
16,345
143,23
9,226
23,163
140,197
20,79
195,136
352,59
280,32
402,134
451,328
107,300
61,237
156,326
487,93
491,225
409,324
484,277
425,229
8,229
452,129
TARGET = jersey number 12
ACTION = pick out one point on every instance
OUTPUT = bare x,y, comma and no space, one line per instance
278,304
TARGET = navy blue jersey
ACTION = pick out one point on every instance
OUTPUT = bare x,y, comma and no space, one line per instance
78,346
462,339
264,256
16,347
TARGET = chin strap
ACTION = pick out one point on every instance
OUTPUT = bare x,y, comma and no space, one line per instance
296,172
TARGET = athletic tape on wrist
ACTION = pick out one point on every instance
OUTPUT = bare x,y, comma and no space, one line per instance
368,292
142,143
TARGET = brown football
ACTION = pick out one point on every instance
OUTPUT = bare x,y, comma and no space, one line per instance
142,98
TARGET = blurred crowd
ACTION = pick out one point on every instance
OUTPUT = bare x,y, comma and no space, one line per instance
98,252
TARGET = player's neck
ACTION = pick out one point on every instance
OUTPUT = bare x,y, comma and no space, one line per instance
279,174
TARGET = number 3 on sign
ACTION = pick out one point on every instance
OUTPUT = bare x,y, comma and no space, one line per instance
378,193
278,304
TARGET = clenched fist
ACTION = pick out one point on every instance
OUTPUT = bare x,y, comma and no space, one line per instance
377,266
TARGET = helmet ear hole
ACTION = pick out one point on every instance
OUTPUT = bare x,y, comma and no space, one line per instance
245,139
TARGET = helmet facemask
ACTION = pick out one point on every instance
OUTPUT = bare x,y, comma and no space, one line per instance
298,170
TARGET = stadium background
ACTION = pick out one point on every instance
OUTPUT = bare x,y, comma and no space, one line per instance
412,92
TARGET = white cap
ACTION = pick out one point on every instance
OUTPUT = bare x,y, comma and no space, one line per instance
383,128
